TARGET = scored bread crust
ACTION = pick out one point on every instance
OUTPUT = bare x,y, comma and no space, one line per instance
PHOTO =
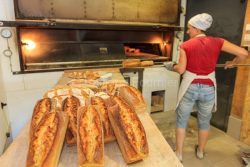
42,107
129,131
101,107
134,97
90,143
131,125
47,140
70,106
137,96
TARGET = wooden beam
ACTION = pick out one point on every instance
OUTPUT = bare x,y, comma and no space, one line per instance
241,97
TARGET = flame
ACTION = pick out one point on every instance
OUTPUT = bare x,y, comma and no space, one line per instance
29,44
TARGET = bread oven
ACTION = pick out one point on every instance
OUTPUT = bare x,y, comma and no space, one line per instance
50,48
55,35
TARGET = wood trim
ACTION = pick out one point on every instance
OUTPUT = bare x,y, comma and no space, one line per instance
241,98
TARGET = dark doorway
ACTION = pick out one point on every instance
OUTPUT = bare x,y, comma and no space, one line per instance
228,22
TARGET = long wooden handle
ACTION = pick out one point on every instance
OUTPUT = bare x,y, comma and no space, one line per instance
236,65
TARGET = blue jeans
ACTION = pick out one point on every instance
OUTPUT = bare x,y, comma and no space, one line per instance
201,95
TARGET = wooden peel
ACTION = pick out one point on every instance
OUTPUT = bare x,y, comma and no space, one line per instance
236,65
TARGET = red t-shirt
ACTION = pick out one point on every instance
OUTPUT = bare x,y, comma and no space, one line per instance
202,55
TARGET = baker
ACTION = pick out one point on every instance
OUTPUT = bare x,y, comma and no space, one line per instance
197,61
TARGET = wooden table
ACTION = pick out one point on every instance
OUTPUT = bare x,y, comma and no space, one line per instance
160,153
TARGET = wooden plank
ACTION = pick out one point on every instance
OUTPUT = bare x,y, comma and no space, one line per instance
240,90
246,21
242,74
240,103
245,126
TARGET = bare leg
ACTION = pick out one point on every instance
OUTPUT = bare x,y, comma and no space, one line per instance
180,136
202,139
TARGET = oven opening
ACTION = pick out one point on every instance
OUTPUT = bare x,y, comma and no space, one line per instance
58,49
157,101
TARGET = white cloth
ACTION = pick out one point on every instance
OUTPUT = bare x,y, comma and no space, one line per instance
187,79
201,21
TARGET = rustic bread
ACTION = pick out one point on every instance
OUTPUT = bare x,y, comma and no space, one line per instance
147,63
101,107
111,86
131,63
47,140
70,106
90,142
134,97
42,107
129,131
92,75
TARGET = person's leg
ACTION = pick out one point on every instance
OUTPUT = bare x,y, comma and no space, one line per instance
202,139
180,136
182,115
205,106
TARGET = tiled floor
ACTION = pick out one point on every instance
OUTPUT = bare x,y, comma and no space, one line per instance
221,149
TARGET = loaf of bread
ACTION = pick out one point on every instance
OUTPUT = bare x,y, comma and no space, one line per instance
70,106
47,140
84,83
129,131
110,87
42,107
134,97
90,142
91,75
131,63
101,107
147,63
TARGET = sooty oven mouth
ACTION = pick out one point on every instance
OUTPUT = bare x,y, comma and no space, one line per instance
57,49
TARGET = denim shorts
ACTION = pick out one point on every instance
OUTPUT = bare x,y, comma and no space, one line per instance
201,95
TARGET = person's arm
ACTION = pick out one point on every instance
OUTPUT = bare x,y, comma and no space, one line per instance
239,52
181,66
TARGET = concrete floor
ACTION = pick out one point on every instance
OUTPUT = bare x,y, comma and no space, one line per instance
221,149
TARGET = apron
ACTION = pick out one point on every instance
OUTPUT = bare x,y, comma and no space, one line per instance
187,79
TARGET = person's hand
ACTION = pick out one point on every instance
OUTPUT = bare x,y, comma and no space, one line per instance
169,65
229,64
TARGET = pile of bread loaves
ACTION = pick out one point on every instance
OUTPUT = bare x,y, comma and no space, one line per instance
88,119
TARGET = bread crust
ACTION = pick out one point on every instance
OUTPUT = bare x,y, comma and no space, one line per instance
90,142
102,109
134,97
42,107
131,63
129,131
70,106
147,63
47,140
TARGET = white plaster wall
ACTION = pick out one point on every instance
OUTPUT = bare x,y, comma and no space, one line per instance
133,78
23,90
157,79
3,118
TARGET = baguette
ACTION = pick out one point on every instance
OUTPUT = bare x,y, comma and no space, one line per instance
90,143
70,106
42,107
101,107
47,140
128,130
134,97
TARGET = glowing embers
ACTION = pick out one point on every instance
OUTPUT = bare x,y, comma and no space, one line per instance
28,44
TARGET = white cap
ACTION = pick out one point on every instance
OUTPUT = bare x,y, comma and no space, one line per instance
201,21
